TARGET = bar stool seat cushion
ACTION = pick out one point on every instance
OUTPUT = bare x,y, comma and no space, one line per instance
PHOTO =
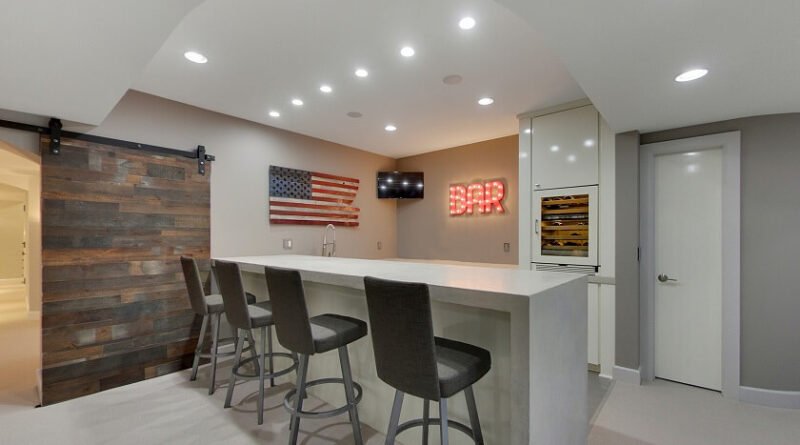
260,314
332,331
214,302
459,365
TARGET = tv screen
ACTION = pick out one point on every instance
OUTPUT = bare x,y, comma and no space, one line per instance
401,185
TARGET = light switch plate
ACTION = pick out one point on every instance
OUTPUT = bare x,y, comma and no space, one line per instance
287,243
506,247
380,245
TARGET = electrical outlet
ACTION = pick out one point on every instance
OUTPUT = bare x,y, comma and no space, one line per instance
506,247
287,243
380,245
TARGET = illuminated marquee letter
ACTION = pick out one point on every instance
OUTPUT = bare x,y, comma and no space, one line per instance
474,197
458,199
487,196
493,193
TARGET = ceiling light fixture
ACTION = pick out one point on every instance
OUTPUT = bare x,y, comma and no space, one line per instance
407,51
486,101
361,72
390,127
691,75
325,88
354,114
452,79
297,102
274,113
466,23
195,57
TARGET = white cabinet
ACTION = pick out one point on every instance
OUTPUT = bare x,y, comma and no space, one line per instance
565,148
593,327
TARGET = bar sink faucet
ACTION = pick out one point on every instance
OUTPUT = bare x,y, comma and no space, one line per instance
325,244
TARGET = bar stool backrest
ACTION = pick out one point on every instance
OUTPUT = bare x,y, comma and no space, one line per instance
402,336
194,285
289,310
234,298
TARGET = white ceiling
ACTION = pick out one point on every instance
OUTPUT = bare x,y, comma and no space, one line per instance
75,59
263,53
626,53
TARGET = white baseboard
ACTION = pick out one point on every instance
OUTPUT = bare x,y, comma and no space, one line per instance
770,397
627,375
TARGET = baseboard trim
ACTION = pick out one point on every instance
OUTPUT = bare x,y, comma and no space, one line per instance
627,375
770,397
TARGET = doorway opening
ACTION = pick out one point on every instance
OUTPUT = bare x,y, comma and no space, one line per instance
689,261
20,276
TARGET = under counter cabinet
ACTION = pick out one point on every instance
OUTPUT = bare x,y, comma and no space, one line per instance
564,149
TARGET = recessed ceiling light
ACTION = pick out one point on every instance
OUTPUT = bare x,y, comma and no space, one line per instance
195,57
325,88
466,23
354,114
486,101
297,102
407,51
274,113
690,75
361,72
390,127
453,79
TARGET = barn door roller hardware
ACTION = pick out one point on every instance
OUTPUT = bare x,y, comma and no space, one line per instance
54,132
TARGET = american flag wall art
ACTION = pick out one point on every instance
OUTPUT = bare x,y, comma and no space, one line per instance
311,198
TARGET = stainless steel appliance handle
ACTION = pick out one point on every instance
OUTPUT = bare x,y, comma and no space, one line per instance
536,226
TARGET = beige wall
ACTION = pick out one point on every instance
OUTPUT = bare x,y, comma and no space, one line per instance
425,229
12,231
239,178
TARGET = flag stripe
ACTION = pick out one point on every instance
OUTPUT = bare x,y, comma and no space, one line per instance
315,222
339,178
325,214
334,185
288,205
323,192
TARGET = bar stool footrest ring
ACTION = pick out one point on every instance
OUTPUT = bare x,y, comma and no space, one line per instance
224,342
321,414
450,424
267,375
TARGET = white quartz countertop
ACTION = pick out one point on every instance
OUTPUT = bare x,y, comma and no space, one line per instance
350,272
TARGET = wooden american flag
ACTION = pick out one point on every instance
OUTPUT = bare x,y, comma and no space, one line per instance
311,198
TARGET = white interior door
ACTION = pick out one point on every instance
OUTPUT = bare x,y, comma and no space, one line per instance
688,267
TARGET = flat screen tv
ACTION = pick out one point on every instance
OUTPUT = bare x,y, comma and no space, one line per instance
401,185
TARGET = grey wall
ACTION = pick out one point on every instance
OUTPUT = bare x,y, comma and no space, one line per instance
626,263
770,270
425,229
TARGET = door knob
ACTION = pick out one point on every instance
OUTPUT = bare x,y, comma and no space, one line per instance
664,278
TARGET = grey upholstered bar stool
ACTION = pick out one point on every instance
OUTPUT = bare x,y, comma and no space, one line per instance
244,317
211,308
308,336
410,359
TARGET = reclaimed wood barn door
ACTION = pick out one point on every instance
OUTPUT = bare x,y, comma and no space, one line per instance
114,224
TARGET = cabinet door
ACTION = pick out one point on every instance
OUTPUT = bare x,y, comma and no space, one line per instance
565,226
593,327
564,149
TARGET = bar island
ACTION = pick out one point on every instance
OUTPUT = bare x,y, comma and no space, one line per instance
533,323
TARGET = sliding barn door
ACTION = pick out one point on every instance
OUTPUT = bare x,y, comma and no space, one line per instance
114,224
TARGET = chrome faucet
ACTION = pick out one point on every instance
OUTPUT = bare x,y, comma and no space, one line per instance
325,243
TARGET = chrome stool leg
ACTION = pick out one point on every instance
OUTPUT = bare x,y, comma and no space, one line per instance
252,341
394,420
426,415
443,420
199,349
261,363
344,360
475,423
214,346
298,404
269,349
236,360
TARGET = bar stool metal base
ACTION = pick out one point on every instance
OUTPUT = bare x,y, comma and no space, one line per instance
444,423
288,403
213,352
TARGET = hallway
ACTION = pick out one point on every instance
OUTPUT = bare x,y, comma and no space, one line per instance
20,343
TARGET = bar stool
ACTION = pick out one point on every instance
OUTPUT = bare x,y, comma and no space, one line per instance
211,308
410,359
308,336
244,317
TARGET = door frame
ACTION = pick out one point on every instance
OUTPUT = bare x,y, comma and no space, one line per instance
731,210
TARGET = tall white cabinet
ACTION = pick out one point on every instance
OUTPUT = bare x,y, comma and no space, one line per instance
566,180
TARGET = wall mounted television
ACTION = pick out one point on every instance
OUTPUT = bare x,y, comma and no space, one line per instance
401,185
